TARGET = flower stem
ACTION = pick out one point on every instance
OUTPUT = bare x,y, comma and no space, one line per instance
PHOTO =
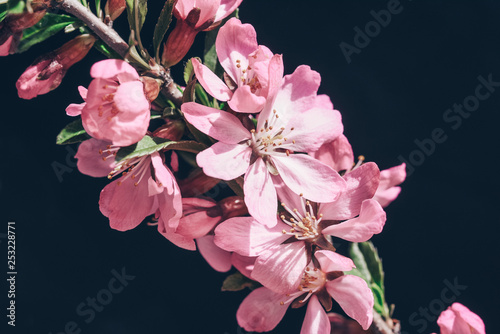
380,326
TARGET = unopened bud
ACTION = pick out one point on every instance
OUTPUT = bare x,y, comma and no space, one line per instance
233,206
196,184
114,8
151,87
172,130
47,72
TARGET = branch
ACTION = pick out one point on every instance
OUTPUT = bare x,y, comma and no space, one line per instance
380,326
105,33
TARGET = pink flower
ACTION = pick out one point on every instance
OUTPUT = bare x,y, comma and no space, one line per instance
5,46
338,154
116,108
75,109
47,72
147,187
458,319
248,65
263,309
284,250
96,158
289,123
193,16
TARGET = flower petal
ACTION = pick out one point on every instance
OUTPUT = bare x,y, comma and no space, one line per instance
218,124
281,268
245,101
226,7
304,174
330,261
217,258
212,83
235,41
224,161
361,185
91,162
316,321
260,195
371,221
247,237
114,68
244,264
354,296
261,310
337,154
458,319
389,179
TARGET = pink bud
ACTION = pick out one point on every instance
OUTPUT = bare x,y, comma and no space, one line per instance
172,130
47,72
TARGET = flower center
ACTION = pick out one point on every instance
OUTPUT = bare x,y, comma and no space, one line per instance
271,139
247,77
108,106
312,281
303,226
134,169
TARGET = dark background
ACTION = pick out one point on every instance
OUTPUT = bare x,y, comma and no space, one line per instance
395,91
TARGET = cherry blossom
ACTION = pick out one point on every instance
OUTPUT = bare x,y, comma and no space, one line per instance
458,319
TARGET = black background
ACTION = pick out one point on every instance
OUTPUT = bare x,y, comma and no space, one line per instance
396,90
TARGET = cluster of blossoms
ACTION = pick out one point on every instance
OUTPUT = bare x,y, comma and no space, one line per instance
270,136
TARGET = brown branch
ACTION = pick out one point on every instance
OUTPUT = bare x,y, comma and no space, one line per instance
380,326
105,33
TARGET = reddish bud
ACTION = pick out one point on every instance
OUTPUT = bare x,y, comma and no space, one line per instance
172,130
196,184
47,72
114,8
151,87
233,206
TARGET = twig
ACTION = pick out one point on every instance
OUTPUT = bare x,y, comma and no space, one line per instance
380,326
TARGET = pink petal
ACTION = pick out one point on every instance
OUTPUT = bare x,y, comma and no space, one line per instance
177,239
83,92
126,205
281,268
235,41
208,9
226,7
29,86
330,261
275,77
361,185
314,128
354,296
244,264
114,69
337,154
260,195
316,321
196,221
245,101
389,178
224,161
170,200
323,101
218,124
5,47
248,237
75,109
458,319
371,221
217,258
183,7
91,162
212,83
303,174
261,310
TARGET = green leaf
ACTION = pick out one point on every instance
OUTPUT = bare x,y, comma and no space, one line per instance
142,10
188,71
3,11
373,262
162,26
149,145
359,260
16,6
209,53
72,133
106,50
237,282
48,26
201,95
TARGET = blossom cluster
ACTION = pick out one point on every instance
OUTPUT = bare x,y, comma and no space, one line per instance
279,145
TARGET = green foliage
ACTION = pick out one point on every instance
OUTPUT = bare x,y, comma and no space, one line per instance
149,145
369,267
136,15
162,26
72,133
48,26
237,282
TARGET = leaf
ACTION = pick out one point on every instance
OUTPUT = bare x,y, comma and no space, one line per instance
3,11
373,262
149,145
201,95
359,260
188,71
72,133
162,25
106,50
237,282
209,53
142,10
15,6
48,26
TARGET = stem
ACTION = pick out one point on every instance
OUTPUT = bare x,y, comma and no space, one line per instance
105,33
380,326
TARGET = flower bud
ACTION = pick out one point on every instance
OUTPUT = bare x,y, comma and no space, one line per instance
233,206
173,130
151,87
11,29
196,184
114,8
47,72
